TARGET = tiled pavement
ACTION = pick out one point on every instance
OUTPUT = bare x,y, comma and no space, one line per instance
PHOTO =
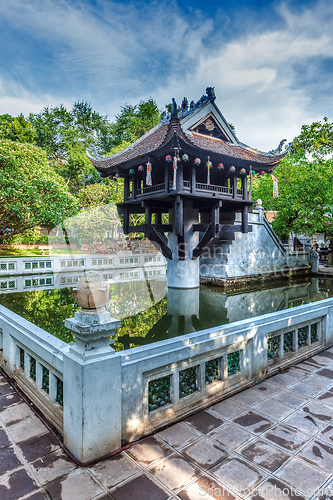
273,441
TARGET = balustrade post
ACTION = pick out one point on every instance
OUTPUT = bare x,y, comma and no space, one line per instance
92,381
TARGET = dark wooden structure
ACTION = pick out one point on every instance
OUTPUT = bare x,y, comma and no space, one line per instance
192,167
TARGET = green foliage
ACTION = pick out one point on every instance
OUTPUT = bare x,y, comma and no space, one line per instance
315,139
31,193
101,194
17,129
134,121
305,202
64,135
30,236
47,309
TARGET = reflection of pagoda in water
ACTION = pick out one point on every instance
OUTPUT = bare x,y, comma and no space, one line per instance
188,175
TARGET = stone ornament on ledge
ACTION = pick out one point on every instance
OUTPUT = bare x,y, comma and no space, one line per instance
92,293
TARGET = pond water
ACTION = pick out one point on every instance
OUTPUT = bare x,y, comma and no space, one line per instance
148,315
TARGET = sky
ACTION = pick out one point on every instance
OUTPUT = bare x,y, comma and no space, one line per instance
271,63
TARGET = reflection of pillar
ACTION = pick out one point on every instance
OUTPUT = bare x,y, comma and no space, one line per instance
183,273
182,306
183,302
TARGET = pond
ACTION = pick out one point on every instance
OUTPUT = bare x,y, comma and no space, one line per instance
149,315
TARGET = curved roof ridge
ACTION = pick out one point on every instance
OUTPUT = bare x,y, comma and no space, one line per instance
128,148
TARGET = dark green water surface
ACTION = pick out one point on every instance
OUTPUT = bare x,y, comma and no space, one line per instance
148,315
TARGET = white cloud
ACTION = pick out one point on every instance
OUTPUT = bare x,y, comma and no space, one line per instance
15,99
121,53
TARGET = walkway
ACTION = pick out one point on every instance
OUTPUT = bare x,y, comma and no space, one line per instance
264,443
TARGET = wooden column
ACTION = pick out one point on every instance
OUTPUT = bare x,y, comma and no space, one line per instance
166,178
245,219
234,188
179,216
244,186
126,187
194,180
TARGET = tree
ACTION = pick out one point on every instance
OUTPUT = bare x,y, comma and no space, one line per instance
134,121
17,129
315,139
65,135
305,202
31,192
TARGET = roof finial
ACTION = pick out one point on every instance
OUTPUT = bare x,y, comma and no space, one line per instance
174,111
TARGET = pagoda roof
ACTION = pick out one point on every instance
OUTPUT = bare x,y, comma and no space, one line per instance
201,130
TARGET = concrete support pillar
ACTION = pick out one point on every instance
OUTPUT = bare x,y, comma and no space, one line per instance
92,387
184,273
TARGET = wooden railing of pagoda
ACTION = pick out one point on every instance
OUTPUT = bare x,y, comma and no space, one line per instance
200,187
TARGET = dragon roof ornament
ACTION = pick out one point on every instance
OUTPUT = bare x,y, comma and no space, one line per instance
186,109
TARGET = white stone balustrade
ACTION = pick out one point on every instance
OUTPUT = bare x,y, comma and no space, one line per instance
111,399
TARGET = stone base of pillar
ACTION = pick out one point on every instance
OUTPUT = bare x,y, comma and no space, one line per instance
183,274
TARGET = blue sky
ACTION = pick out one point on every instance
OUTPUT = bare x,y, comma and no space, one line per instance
271,62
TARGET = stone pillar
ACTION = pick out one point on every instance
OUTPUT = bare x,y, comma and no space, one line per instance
184,273
92,379
260,210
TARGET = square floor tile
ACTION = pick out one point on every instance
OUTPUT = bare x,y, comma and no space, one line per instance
205,488
175,472
305,422
274,409
266,389
14,414
226,409
206,453
5,388
305,389
302,476
4,441
140,488
265,455
327,434
8,460
288,438
319,411
204,421
231,435
38,446
52,466
14,485
77,485
296,373
320,381
179,435
321,360
273,489
238,475
282,380
249,397
148,451
115,470
326,397
253,422
325,372
27,428
291,398
326,354
8,400
318,453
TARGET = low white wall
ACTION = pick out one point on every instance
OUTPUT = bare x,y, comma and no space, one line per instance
262,345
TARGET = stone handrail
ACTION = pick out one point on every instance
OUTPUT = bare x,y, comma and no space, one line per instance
114,398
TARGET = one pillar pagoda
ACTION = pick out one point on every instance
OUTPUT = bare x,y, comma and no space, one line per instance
188,176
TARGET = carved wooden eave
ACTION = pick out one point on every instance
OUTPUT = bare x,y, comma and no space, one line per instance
183,132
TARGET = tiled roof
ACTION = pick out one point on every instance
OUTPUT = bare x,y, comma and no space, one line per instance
163,133
235,151
147,144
